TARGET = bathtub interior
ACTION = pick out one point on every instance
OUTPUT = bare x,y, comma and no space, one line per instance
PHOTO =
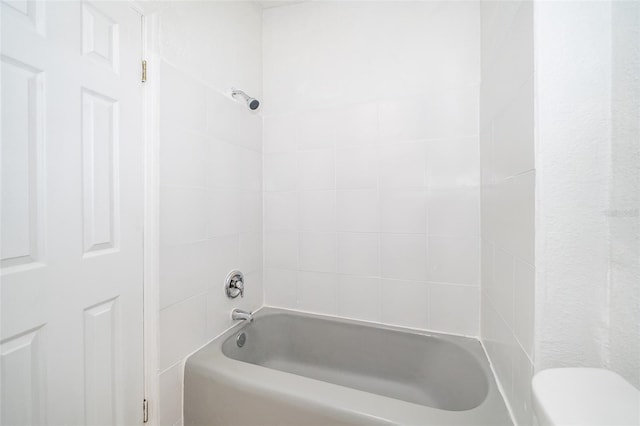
436,371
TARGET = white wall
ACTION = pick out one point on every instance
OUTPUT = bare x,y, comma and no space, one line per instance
210,178
624,195
371,168
588,252
508,175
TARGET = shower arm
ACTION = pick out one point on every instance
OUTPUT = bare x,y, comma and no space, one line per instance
252,103
236,92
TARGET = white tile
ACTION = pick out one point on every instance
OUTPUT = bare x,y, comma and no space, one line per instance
223,257
182,101
279,133
403,165
280,211
520,197
250,216
403,210
250,131
454,260
454,309
359,297
281,250
438,114
524,295
317,210
487,174
224,117
499,343
219,307
317,292
222,164
171,394
316,170
403,120
501,292
496,22
497,213
357,167
183,329
489,213
405,303
182,158
510,64
250,177
357,124
280,287
512,135
222,212
317,129
185,271
486,263
182,215
317,251
454,212
358,254
453,162
250,252
521,399
357,210
404,256
254,291
280,171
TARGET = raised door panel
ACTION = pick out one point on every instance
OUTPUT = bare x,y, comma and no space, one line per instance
22,163
100,37
100,171
29,13
101,347
23,379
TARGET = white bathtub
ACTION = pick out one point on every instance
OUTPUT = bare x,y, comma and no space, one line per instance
302,369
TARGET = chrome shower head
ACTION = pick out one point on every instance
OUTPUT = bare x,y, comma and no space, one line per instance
252,103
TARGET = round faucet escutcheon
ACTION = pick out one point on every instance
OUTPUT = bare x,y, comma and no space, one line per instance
234,284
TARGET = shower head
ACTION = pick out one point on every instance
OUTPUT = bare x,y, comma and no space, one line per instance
252,103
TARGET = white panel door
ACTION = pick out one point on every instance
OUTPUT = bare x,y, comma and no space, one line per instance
71,341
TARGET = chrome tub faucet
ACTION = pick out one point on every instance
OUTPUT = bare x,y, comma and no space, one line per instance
239,314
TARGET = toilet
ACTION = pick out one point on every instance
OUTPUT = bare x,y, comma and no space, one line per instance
586,397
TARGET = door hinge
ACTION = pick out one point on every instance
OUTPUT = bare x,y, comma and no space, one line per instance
145,411
144,70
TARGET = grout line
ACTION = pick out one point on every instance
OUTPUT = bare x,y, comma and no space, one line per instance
186,299
378,154
336,296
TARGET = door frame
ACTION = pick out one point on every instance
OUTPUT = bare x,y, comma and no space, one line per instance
151,245
151,268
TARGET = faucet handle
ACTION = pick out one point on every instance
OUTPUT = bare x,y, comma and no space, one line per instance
239,284
234,284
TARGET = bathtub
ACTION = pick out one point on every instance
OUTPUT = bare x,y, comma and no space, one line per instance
291,368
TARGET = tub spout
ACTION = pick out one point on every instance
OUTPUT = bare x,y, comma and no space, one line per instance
239,314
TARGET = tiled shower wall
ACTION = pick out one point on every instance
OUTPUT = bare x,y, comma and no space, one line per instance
371,161
507,162
210,178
